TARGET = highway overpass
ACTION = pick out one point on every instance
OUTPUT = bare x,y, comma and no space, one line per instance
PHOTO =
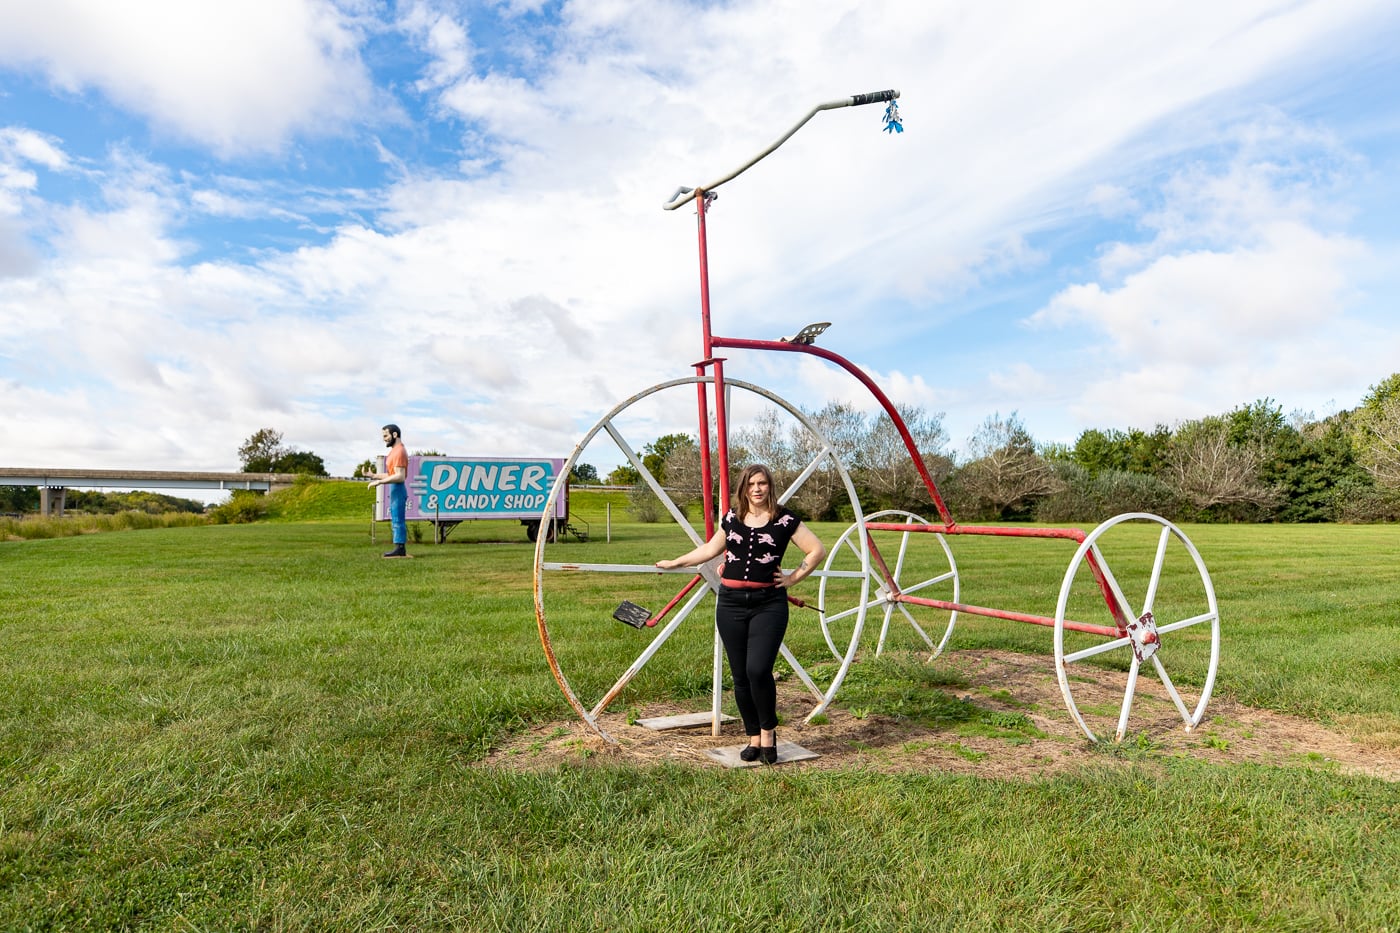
53,483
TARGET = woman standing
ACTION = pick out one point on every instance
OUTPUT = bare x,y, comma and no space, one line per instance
752,610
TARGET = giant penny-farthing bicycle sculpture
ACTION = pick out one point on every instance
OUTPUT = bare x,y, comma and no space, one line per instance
1136,596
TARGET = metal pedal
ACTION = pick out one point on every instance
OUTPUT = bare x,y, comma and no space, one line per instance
630,613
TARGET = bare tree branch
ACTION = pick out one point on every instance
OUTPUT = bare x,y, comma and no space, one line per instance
1208,470
1378,447
1007,472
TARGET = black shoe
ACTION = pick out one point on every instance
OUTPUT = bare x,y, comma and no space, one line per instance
398,551
749,753
769,753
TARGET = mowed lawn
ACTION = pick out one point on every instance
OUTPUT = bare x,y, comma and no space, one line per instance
268,727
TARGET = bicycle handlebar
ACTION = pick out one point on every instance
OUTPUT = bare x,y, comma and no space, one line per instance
684,195
874,97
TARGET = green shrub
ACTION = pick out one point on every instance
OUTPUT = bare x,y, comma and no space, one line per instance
130,519
1359,504
643,505
35,527
1084,497
244,506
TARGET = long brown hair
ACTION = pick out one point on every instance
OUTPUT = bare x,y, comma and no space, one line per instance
741,498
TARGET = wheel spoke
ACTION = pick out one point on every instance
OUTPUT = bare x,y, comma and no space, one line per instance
1127,701
800,671
932,581
1103,648
1172,692
651,649
650,569
796,484
1187,623
850,546
652,484
1113,586
1151,598
903,549
914,622
885,615
846,613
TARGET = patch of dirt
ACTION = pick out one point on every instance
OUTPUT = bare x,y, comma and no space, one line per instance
996,680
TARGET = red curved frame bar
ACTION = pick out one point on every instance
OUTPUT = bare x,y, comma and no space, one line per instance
710,343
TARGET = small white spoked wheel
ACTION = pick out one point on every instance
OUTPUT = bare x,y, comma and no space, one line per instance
578,585
916,567
1138,582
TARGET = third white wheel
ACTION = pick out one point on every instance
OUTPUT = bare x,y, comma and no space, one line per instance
1139,575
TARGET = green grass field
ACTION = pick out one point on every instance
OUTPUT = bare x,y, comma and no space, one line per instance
268,727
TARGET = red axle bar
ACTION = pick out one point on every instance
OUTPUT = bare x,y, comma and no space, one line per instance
1105,630
1071,534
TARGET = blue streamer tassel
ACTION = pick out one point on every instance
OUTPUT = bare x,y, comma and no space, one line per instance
892,122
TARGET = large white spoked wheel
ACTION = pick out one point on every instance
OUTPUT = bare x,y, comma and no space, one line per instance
916,568
579,586
1139,580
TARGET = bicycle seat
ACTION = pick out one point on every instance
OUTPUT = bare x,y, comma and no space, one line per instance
808,334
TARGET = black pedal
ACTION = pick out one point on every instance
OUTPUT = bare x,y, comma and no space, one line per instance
631,614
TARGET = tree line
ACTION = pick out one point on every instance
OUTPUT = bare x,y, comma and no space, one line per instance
1251,464
23,499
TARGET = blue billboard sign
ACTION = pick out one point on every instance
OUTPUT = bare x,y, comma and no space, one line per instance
453,489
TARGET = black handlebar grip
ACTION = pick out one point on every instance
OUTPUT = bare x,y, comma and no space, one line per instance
875,97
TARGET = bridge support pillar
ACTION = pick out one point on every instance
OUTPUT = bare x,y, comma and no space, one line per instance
51,497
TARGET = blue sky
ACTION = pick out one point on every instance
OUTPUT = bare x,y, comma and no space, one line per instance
321,216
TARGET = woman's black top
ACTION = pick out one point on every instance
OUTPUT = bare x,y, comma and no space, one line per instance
752,556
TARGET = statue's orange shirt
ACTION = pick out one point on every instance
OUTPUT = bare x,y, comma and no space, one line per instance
398,457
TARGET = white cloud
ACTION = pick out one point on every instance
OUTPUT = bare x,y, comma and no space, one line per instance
444,39
18,143
1242,290
235,77
1020,380
1204,306
20,149
504,307
1112,200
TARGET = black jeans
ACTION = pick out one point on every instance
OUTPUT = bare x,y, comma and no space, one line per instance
751,625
